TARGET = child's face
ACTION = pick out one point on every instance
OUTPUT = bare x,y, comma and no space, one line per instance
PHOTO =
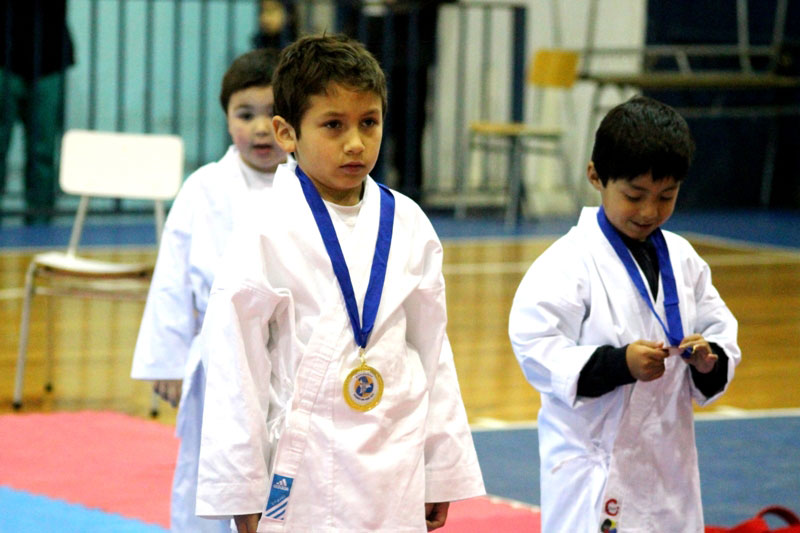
340,140
250,126
639,206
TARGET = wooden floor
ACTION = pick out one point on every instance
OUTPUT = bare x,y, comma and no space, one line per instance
93,340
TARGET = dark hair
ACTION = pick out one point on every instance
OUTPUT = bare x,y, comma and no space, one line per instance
309,65
639,136
251,69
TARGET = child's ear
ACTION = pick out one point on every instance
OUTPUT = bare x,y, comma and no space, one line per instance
284,134
594,179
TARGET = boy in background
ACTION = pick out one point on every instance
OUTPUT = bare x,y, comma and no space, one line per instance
618,326
332,402
210,205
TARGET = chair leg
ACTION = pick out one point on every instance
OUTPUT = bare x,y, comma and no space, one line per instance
23,335
594,110
48,381
514,208
154,407
462,183
566,168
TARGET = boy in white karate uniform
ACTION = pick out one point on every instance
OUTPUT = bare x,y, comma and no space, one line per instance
332,402
618,326
211,203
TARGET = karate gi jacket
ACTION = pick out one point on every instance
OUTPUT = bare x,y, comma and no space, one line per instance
210,203
196,232
628,456
280,345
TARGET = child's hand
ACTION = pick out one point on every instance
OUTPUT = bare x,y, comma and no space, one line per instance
247,523
646,359
169,390
702,358
436,514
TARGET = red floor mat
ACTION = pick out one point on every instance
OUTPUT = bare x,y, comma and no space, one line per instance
101,460
121,464
490,515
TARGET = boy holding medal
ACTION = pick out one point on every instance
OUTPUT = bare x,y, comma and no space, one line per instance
618,326
332,402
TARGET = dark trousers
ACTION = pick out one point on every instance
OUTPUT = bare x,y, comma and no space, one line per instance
38,105
404,42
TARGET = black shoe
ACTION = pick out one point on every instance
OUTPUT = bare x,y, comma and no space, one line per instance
38,220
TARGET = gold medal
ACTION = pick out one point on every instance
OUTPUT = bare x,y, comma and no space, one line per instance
363,386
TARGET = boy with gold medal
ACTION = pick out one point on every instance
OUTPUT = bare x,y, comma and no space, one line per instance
321,417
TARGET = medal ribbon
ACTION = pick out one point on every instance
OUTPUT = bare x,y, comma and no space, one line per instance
673,328
361,329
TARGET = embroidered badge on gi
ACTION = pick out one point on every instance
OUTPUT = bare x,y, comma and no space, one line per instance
608,526
612,507
278,500
609,520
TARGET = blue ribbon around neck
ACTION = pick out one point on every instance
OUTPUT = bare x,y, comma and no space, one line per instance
673,328
361,329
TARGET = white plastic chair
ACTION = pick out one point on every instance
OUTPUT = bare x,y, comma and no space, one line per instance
105,165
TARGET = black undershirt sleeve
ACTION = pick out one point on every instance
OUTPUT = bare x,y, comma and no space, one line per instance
713,382
605,370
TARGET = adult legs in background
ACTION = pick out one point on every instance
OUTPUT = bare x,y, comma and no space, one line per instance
39,105
403,39
407,113
12,88
415,54
43,119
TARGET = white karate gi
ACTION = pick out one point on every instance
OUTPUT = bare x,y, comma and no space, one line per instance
210,203
628,455
279,346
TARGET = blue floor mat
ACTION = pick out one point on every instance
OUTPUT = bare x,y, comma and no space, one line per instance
777,228
746,464
22,512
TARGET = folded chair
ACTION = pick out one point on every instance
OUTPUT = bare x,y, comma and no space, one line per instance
98,164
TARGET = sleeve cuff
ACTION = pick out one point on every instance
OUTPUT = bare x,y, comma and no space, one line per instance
224,500
713,382
449,488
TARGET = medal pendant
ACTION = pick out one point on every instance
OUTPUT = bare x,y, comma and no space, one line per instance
363,388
